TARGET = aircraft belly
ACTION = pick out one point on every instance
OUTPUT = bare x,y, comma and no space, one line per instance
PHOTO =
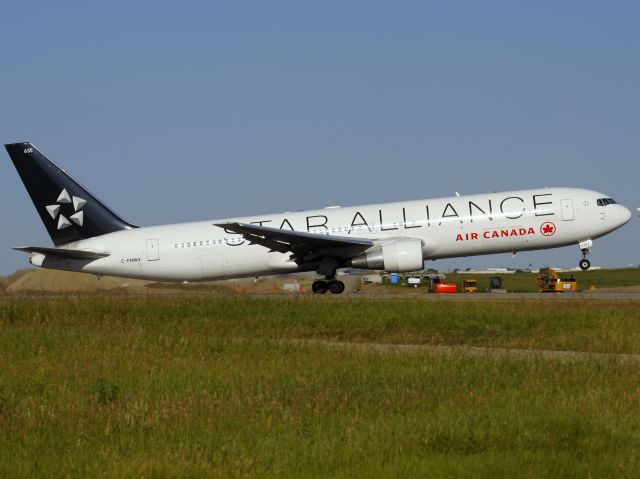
206,264
174,268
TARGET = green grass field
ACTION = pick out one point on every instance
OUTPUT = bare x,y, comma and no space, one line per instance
240,386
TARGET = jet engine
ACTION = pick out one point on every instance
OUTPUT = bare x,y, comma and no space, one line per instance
399,256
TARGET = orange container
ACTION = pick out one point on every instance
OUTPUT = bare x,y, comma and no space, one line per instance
445,288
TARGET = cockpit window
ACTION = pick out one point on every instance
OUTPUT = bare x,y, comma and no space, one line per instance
606,201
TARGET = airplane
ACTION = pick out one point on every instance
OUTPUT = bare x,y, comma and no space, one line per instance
395,237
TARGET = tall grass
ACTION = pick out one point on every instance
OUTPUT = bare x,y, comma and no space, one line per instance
594,325
194,387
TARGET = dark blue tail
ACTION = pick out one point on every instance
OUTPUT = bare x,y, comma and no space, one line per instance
68,211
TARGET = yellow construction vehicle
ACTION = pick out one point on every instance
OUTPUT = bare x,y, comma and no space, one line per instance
549,282
469,286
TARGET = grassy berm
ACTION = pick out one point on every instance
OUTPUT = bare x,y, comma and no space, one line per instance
274,387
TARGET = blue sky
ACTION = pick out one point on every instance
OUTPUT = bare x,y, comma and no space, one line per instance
177,111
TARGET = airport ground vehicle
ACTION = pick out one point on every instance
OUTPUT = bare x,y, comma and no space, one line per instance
439,286
470,286
550,282
495,284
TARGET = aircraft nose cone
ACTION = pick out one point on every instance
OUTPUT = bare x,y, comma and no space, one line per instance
625,214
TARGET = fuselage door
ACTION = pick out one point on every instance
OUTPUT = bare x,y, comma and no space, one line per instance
567,210
153,251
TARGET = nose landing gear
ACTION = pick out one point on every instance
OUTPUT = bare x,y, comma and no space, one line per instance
332,285
585,246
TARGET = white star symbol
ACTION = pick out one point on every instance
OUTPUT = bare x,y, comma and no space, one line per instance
77,217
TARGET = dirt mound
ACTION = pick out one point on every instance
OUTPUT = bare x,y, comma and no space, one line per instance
5,281
40,281
46,280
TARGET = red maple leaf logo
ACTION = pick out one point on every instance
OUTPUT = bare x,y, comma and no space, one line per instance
547,229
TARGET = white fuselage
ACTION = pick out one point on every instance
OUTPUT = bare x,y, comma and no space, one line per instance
449,227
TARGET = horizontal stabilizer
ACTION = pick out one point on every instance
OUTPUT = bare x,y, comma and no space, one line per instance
62,253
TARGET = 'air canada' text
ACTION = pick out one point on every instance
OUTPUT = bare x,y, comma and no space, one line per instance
501,233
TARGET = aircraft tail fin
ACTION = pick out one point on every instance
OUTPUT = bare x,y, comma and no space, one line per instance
68,211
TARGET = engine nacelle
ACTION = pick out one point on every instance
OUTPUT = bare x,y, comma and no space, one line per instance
398,256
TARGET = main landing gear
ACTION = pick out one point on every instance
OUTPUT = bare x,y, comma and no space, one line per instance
327,268
333,286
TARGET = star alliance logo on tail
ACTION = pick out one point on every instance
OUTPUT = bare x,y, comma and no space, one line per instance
78,215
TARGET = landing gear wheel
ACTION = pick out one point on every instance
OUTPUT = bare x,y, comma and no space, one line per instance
336,287
584,264
319,287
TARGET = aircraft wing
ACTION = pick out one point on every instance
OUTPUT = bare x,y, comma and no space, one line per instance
62,253
304,246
